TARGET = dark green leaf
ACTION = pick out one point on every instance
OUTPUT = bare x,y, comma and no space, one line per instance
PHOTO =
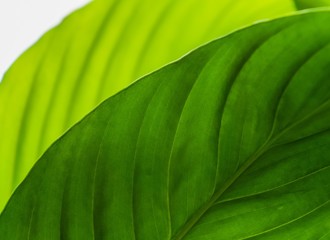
93,54
303,4
230,142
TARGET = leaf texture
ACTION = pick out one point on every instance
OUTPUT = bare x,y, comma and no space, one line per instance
230,142
93,54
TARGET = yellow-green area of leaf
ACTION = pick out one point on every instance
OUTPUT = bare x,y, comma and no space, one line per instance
230,142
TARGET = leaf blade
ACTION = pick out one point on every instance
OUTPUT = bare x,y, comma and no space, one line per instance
150,162
79,62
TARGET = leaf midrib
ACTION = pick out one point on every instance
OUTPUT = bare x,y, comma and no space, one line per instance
268,144
196,217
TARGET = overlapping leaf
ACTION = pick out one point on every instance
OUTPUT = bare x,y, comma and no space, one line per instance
303,4
230,142
94,53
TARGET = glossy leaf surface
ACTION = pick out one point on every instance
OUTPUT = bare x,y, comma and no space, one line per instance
230,142
93,54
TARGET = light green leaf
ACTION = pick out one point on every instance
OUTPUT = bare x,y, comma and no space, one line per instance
230,142
95,52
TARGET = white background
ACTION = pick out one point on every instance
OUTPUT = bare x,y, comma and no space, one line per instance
22,22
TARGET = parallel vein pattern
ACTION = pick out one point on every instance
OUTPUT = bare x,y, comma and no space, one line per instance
230,142
94,53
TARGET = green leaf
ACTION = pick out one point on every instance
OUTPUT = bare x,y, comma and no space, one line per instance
93,54
230,142
303,4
